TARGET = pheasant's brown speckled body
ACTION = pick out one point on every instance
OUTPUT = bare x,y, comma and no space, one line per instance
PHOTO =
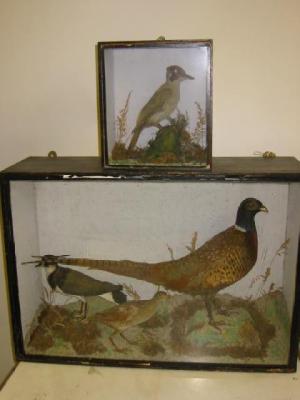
220,262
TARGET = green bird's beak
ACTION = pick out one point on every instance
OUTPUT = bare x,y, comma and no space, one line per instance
186,76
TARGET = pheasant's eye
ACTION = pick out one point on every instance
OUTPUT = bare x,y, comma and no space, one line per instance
252,205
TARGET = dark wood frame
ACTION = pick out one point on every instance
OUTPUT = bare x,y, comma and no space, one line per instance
102,102
72,169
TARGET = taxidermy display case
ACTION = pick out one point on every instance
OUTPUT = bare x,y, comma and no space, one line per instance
163,271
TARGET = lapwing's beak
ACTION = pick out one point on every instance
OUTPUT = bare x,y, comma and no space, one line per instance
264,209
44,261
37,264
29,262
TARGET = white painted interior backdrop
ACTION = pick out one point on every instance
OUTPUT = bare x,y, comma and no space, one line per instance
136,221
25,227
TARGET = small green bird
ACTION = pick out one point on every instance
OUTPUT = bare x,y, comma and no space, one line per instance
162,104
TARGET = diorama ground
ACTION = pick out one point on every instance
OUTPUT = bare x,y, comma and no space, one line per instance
172,146
248,332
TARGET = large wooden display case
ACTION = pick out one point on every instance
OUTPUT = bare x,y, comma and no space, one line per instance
159,270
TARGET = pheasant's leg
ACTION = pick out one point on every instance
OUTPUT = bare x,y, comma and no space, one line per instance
223,310
208,300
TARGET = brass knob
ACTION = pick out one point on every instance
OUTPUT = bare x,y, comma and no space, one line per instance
52,154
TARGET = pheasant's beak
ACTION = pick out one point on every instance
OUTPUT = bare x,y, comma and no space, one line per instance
264,209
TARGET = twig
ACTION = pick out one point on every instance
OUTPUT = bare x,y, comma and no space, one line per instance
265,276
131,291
192,247
198,134
121,121
281,250
170,251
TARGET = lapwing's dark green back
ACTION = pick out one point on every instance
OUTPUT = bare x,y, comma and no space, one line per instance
75,283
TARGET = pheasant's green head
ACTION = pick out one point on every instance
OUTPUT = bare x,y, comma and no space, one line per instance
246,213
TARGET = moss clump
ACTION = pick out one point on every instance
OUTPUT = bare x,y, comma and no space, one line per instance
172,145
252,332
120,152
151,348
56,325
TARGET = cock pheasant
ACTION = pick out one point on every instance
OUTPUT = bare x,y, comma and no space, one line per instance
220,262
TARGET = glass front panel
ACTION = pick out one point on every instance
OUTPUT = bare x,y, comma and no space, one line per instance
199,272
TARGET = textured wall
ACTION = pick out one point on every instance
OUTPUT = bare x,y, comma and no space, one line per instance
48,78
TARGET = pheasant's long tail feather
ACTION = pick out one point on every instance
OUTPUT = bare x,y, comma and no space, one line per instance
138,270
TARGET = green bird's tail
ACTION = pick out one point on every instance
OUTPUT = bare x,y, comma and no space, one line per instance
135,137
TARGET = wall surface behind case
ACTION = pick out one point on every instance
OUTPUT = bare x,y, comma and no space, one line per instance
48,78
6,355
48,72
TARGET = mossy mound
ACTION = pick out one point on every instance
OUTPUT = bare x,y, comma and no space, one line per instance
172,145
253,332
